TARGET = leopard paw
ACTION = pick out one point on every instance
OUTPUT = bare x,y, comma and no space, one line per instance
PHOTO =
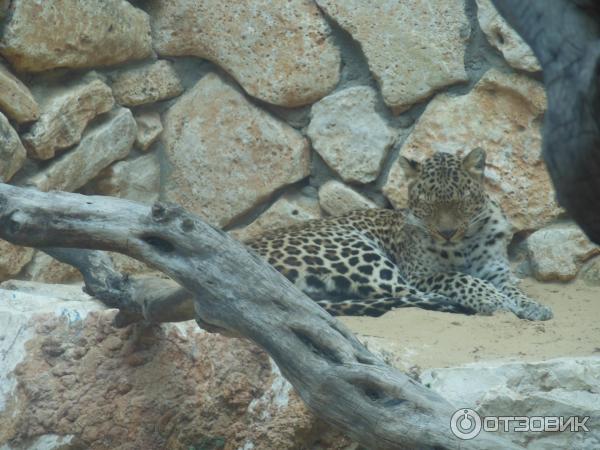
534,311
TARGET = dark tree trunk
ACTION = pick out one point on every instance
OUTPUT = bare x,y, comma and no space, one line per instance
564,35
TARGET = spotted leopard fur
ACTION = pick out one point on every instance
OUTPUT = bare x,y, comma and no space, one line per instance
445,252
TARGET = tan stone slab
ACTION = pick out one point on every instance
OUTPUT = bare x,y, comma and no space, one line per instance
349,134
557,253
41,35
226,154
136,179
499,34
413,48
16,101
280,52
104,143
66,111
12,152
147,84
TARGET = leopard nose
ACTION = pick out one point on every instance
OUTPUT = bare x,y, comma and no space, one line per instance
447,234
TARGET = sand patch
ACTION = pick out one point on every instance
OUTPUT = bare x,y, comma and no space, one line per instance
420,339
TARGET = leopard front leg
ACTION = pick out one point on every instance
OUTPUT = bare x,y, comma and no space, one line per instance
499,274
524,307
471,292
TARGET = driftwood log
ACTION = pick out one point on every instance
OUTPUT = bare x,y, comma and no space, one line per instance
143,298
236,292
565,37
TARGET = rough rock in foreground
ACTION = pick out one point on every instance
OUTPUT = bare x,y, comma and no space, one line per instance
69,378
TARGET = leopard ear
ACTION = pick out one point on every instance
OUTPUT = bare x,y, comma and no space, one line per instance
411,168
474,162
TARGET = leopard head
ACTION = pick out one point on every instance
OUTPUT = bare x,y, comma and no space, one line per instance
446,195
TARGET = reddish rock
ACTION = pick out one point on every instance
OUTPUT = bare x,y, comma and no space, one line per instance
152,387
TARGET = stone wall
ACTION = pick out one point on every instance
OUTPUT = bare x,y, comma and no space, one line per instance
253,115
260,114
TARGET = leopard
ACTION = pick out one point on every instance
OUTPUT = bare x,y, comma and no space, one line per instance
445,251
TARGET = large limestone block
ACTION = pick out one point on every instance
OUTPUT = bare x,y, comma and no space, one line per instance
227,155
413,48
16,99
557,253
563,387
349,135
502,114
290,209
137,179
281,52
12,259
338,198
12,152
104,143
147,84
66,111
45,34
500,34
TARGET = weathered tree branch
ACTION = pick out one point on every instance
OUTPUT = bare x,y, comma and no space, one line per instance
564,35
236,291
144,298
137,298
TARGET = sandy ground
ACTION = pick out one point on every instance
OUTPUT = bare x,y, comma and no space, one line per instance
416,339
